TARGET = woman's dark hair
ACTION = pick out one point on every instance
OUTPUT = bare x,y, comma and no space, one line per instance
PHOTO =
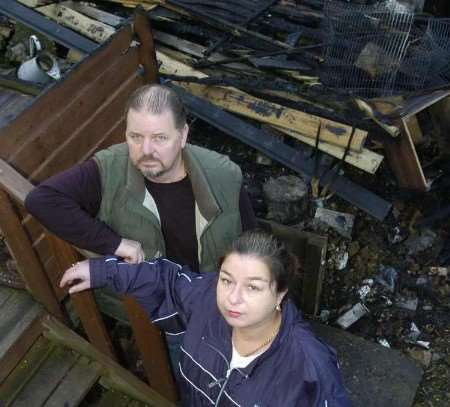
282,264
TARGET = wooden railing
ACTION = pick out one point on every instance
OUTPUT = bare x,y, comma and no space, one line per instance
66,125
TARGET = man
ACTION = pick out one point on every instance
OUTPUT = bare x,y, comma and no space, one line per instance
155,195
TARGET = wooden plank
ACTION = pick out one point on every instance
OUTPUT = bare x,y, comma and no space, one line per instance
84,301
90,28
75,385
15,323
147,54
118,377
32,226
20,347
28,264
85,137
95,13
366,160
34,3
311,251
271,113
54,275
46,379
21,131
14,183
153,350
42,249
112,398
244,104
75,117
145,4
414,129
313,276
25,370
5,293
115,135
17,306
194,49
403,159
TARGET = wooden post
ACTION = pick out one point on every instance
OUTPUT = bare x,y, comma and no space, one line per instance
83,302
403,159
147,54
153,350
29,266
311,250
148,338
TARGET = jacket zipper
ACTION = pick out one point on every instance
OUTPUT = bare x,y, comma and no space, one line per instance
227,377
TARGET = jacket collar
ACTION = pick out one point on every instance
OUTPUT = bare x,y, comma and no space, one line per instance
220,335
206,201
289,315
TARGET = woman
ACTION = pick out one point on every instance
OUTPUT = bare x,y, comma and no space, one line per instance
245,342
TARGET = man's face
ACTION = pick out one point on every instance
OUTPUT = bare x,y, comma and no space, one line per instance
155,145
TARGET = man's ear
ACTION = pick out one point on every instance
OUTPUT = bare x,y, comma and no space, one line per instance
184,134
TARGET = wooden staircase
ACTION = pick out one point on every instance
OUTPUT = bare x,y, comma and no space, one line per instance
44,363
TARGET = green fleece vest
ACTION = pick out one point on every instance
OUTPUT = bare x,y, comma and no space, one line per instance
130,210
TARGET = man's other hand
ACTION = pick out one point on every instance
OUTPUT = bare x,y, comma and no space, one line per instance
131,251
77,277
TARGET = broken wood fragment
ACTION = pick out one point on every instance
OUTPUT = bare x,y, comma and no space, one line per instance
274,114
95,13
365,160
34,3
404,161
145,4
95,30
295,159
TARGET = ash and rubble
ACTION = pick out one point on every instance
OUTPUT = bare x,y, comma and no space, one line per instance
398,273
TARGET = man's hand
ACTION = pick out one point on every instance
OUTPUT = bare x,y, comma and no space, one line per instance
77,277
131,251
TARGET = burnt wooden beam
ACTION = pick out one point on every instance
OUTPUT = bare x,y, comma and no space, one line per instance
251,56
404,161
248,20
295,159
147,53
50,29
225,25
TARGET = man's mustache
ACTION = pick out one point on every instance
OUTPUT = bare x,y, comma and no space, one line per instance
150,157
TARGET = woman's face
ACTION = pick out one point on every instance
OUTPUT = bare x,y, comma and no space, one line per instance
246,294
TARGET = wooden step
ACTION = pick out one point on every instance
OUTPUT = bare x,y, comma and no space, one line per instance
20,319
76,384
113,398
49,376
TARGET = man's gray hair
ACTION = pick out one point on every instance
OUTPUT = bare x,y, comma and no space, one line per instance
157,99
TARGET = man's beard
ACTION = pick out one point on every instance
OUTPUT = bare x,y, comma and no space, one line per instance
151,174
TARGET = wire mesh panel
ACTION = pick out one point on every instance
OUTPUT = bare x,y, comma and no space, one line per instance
438,36
366,46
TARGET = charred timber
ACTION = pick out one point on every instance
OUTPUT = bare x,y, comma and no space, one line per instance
294,159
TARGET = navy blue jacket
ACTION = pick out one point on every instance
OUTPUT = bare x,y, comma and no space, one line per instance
297,370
